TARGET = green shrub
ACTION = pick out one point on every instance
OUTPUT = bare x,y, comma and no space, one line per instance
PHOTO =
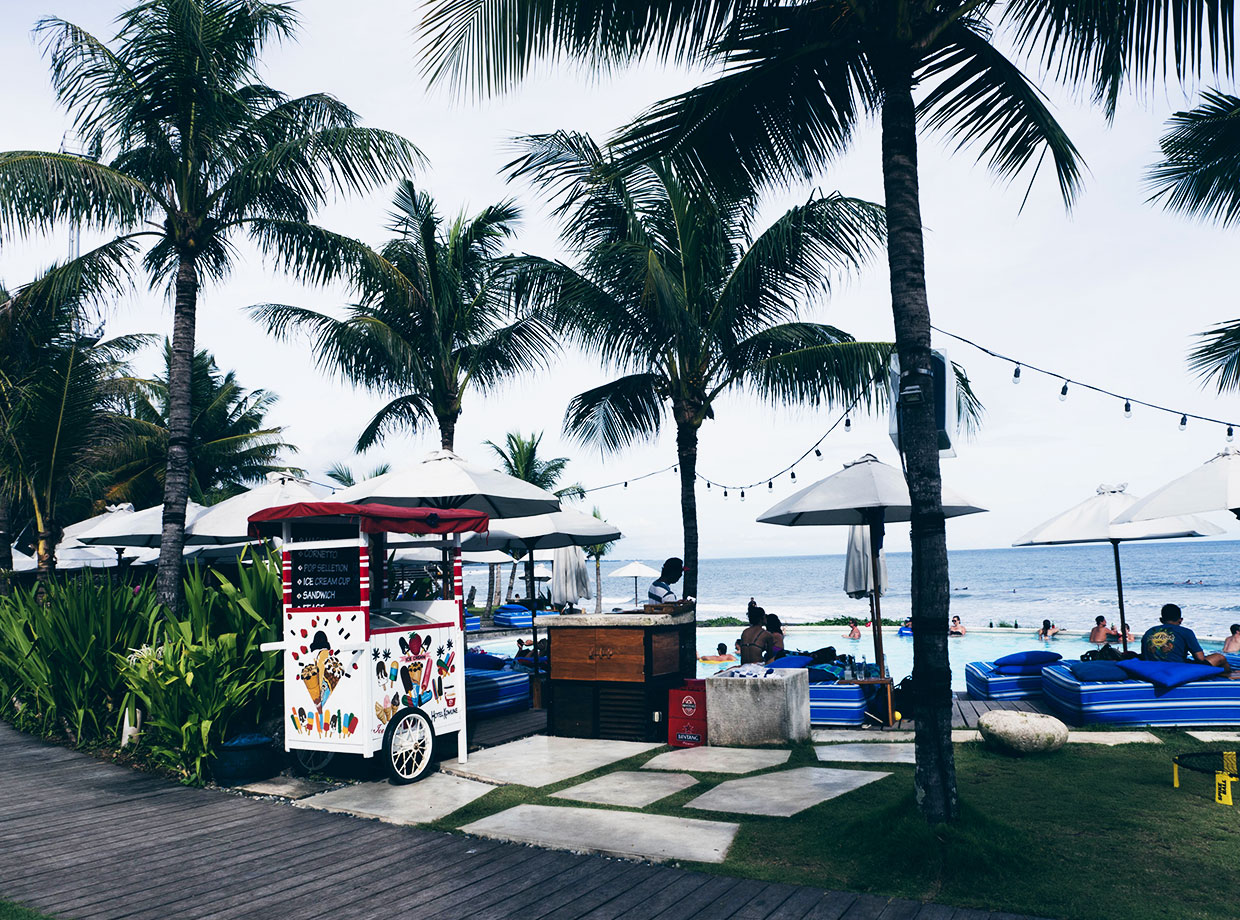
58,649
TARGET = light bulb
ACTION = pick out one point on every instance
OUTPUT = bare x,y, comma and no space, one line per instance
770,485
675,469
1063,393
817,454
1016,375
626,485
742,494
1127,409
708,484
725,493
793,474
1183,422
847,425
1230,433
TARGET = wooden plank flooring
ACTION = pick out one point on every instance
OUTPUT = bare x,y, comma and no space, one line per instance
93,841
966,710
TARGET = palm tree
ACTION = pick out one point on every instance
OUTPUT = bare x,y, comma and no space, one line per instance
678,288
343,474
1199,175
59,389
519,458
439,327
231,445
597,552
189,150
794,80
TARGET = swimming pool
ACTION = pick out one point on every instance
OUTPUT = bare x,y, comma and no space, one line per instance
977,645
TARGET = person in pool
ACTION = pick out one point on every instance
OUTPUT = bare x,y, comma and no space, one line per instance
1231,645
1173,641
1048,629
776,629
854,631
755,641
721,654
1102,631
957,628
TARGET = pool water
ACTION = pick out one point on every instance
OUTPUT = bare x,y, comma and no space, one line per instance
978,645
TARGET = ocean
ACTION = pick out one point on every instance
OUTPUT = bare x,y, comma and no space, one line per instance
1069,585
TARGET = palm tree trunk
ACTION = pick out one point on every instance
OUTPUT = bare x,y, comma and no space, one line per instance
935,774
598,584
6,544
177,472
490,587
686,453
512,580
447,430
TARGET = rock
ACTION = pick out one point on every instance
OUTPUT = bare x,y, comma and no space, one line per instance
1022,732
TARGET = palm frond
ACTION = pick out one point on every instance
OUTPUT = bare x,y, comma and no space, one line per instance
39,189
1217,359
409,412
969,408
813,364
315,255
614,415
1200,170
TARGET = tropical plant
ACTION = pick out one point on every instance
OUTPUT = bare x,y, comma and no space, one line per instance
678,287
188,150
792,81
1199,175
341,473
59,390
596,552
440,325
58,648
231,445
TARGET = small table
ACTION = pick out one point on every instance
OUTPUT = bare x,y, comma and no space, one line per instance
876,680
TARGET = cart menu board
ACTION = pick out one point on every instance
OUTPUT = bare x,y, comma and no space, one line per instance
325,577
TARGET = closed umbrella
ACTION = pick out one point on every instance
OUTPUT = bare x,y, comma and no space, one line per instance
445,480
570,582
228,521
1092,521
865,492
1213,486
859,567
635,570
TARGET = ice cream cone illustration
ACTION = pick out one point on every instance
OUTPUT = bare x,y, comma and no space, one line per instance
311,678
415,672
333,671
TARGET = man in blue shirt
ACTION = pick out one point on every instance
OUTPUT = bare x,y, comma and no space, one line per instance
661,589
1172,641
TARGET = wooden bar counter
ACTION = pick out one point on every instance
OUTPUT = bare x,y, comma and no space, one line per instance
611,672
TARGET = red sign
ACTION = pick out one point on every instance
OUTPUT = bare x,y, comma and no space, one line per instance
688,705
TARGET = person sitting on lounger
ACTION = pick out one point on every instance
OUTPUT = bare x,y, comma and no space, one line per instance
1231,645
1172,641
776,629
756,642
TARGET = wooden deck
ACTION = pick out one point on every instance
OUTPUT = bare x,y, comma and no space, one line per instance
966,711
84,839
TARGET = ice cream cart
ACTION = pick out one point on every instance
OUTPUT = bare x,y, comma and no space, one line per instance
368,668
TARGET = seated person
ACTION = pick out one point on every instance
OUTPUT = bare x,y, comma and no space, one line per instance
776,629
1231,645
957,628
755,641
1172,641
1048,629
854,631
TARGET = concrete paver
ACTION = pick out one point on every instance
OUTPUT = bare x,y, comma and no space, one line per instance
834,735
785,792
287,787
718,760
1214,736
628,788
541,760
1113,738
610,833
866,753
429,799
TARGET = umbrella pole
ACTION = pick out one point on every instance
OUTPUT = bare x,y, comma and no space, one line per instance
634,592
1119,588
876,543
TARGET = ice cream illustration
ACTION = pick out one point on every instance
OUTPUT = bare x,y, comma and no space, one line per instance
310,677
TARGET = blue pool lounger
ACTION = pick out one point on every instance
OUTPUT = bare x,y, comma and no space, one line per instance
1137,702
836,704
489,693
984,683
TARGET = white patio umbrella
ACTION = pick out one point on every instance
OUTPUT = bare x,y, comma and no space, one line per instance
22,562
1213,486
228,521
445,480
635,570
1091,521
859,567
864,492
570,582
74,532
142,528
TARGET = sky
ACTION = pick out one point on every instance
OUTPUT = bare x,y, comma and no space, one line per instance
1110,293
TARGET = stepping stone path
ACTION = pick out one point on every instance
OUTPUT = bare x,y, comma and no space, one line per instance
287,787
1215,736
833,736
541,760
635,790
1113,738
866,753
784,793
718,760
610,833
429,799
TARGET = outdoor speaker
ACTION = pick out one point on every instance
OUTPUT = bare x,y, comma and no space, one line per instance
941,388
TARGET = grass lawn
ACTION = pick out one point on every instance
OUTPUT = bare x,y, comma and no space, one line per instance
1088,833
9,911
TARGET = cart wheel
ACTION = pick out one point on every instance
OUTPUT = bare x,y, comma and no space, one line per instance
407,745
307,762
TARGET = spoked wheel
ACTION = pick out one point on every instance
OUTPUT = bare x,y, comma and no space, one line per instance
407,745
306,762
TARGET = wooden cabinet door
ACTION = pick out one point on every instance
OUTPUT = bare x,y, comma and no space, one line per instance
621,654
664,653
574,653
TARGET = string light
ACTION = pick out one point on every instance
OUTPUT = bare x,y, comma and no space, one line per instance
1063,393
742,494
1127,409
793,474
725,493
1183,422
847,425
1016,375
626,485
817,454
1230,433
770,486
